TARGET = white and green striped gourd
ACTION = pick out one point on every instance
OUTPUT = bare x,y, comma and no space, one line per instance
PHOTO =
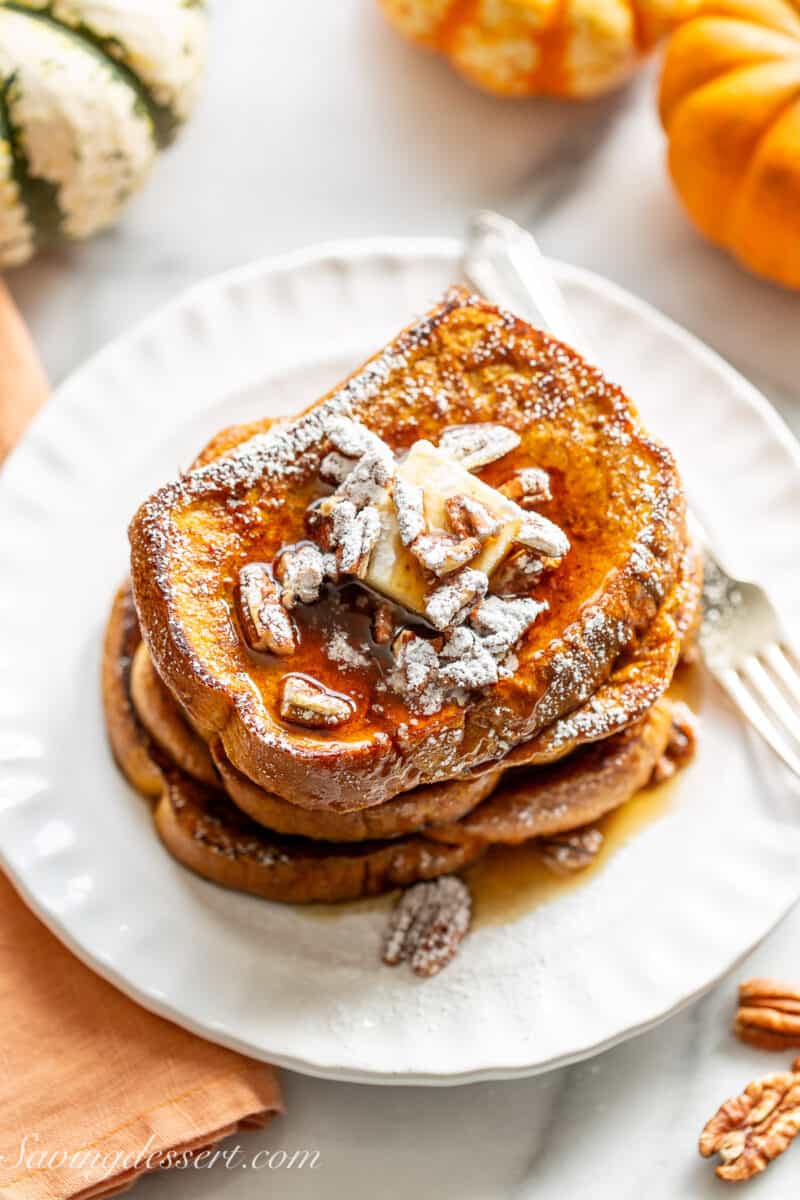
90,90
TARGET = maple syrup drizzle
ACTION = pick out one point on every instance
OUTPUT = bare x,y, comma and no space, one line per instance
510,881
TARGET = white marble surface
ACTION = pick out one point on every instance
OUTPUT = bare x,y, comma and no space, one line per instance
317,123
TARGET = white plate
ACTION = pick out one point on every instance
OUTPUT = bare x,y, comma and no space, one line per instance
672,910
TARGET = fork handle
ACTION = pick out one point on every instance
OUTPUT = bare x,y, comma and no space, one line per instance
502,260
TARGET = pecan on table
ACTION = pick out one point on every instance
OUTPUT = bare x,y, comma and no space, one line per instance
752,1129
768,1015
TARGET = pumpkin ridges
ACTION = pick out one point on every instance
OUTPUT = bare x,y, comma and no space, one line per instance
570,48
418,20
126,49
73,184
18,236
773,14
504,58
39,197
715,130
162,119
765,227
711,46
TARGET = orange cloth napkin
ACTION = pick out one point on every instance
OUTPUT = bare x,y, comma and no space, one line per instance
94,1091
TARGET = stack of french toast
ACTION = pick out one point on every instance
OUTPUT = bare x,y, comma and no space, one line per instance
438,610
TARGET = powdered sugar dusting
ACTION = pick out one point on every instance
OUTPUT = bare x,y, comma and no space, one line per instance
341,651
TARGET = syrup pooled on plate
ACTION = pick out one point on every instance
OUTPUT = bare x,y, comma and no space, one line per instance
510,881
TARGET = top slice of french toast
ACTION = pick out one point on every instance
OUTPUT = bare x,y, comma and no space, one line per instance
610,524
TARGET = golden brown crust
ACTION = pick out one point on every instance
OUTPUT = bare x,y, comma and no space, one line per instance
617,495
208,834
581,789
639,678
406,813
164,721
129,741
433,804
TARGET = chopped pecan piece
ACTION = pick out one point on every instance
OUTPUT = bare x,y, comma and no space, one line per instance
442,553
354,440
356,538
428,924
335,467
410,511
319,521
529,486
368,480
452,603
301,570
383,624
265,622
537,533
478,445
306,702
518,572
501,623
681,745
566,853
752,1129
768,1015
466,662
469,518
682,742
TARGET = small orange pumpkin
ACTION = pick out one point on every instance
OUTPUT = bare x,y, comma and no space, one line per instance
730,104
573,48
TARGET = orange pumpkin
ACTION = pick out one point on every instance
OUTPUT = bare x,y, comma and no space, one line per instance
575,48
730,104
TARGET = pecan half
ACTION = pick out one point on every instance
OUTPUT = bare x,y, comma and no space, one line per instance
306,702
469,518
531,485
265,622
566,853
768,1015
478,445
428,924
752,1129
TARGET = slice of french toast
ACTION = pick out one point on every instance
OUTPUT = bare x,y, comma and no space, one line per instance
614,493
206,832
633,688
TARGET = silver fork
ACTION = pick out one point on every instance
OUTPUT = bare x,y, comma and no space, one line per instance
742,639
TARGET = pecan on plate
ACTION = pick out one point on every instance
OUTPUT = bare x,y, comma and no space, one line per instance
752,1129
428,924
768,1015
566,853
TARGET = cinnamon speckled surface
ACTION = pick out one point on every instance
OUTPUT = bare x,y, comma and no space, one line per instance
318,123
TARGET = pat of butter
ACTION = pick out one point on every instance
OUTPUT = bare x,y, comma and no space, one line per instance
393,569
